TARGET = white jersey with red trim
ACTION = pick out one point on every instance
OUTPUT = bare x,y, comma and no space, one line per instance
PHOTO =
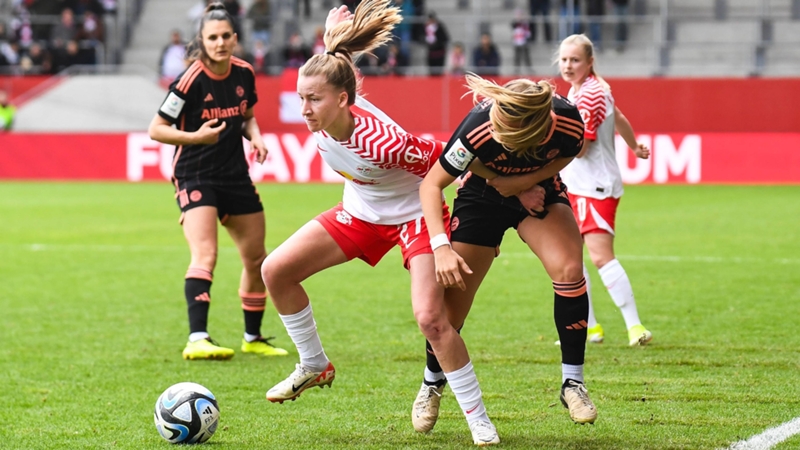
596,174
382,165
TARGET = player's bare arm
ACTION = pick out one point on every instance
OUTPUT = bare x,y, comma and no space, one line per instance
162,131
449,264
624,128
252,133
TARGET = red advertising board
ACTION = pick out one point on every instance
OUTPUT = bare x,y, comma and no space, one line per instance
762,158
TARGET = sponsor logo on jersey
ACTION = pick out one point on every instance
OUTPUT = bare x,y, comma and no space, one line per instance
413,154
173,105
355,180
209,98
344,217
364,170
553,153
585,115
221,113
458,156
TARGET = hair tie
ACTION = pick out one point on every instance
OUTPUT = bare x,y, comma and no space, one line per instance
331,53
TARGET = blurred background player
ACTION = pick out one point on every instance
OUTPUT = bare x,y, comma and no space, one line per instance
595,182
382,166
211,104
521,128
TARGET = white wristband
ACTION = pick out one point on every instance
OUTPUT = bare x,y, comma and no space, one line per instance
439,240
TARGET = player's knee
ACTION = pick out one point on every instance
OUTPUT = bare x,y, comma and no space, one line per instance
431,325
272,273
253,263
570,271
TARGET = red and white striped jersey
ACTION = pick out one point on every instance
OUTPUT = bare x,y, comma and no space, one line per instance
382,165
596,174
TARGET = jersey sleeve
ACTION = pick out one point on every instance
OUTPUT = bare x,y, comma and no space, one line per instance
569,126
179,93
391,147
591,103
474,131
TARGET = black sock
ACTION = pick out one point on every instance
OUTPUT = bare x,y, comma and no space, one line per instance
571,312
252,322
198,301
433,364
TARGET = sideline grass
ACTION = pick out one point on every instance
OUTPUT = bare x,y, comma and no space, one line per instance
92,322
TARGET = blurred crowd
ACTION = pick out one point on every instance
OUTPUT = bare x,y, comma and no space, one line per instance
46,36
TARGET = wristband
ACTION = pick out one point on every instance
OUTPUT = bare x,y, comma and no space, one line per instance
439,240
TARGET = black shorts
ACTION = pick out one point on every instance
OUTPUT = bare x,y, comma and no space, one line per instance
230,200
479,220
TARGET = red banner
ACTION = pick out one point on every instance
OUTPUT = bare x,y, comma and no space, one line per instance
765,158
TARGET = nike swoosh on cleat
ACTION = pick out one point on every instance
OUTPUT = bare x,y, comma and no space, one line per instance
297,388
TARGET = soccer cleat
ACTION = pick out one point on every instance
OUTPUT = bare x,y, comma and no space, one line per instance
638,335
595,334
483,433
206,349
300,380
576,399
261,346
425,411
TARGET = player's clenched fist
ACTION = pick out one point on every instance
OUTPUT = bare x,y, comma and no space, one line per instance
209,132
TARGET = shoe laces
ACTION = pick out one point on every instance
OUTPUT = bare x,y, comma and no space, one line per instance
580,390
265,340
430,391
213,342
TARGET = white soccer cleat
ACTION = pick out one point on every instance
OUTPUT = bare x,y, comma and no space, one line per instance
300,380
425,411
483,433
575,398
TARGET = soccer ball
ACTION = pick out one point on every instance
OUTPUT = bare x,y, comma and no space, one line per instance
186,413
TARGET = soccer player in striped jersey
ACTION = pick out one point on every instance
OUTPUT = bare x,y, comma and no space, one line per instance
519,128
207,111
595,182
383,167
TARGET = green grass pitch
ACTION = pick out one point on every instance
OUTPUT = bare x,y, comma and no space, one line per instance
92,323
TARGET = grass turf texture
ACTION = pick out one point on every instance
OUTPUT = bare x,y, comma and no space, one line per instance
92,323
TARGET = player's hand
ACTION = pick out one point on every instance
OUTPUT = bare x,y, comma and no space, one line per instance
449,266
509,186
532,199
641,151
336,16
258,148
209,132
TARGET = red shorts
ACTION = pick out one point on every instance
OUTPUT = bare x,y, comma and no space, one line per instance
593,215
370,242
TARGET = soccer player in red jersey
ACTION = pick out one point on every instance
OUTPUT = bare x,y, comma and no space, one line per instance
211,107
595,182
519,128
383,167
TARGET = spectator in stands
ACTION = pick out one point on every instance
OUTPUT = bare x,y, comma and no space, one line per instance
318,46
296,52
196,12
260,17
7,112
92,28
36,60
540,7
396,61
235,10
10,52
436,37
569,21
520,35
595,10
458,60
486,58
110,7
65,30
621,29
173,57
261,57
403,31
81,7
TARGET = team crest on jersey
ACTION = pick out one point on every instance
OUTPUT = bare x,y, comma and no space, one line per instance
344,217
240,91
453,224
243,107
585,115
195,196
553,153
364,170
413,154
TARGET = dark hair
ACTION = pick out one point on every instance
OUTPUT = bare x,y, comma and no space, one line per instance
214,11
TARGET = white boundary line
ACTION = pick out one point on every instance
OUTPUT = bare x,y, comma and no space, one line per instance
677,259
769,438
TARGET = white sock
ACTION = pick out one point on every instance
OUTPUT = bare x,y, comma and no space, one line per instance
433,377
619,287
197,335
571,371
250,337
464,385
303,331
592,320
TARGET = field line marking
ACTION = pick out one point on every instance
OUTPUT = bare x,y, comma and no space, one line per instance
677,259
769,438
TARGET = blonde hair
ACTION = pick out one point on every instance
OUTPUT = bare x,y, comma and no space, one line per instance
520,113
582,41
370,28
